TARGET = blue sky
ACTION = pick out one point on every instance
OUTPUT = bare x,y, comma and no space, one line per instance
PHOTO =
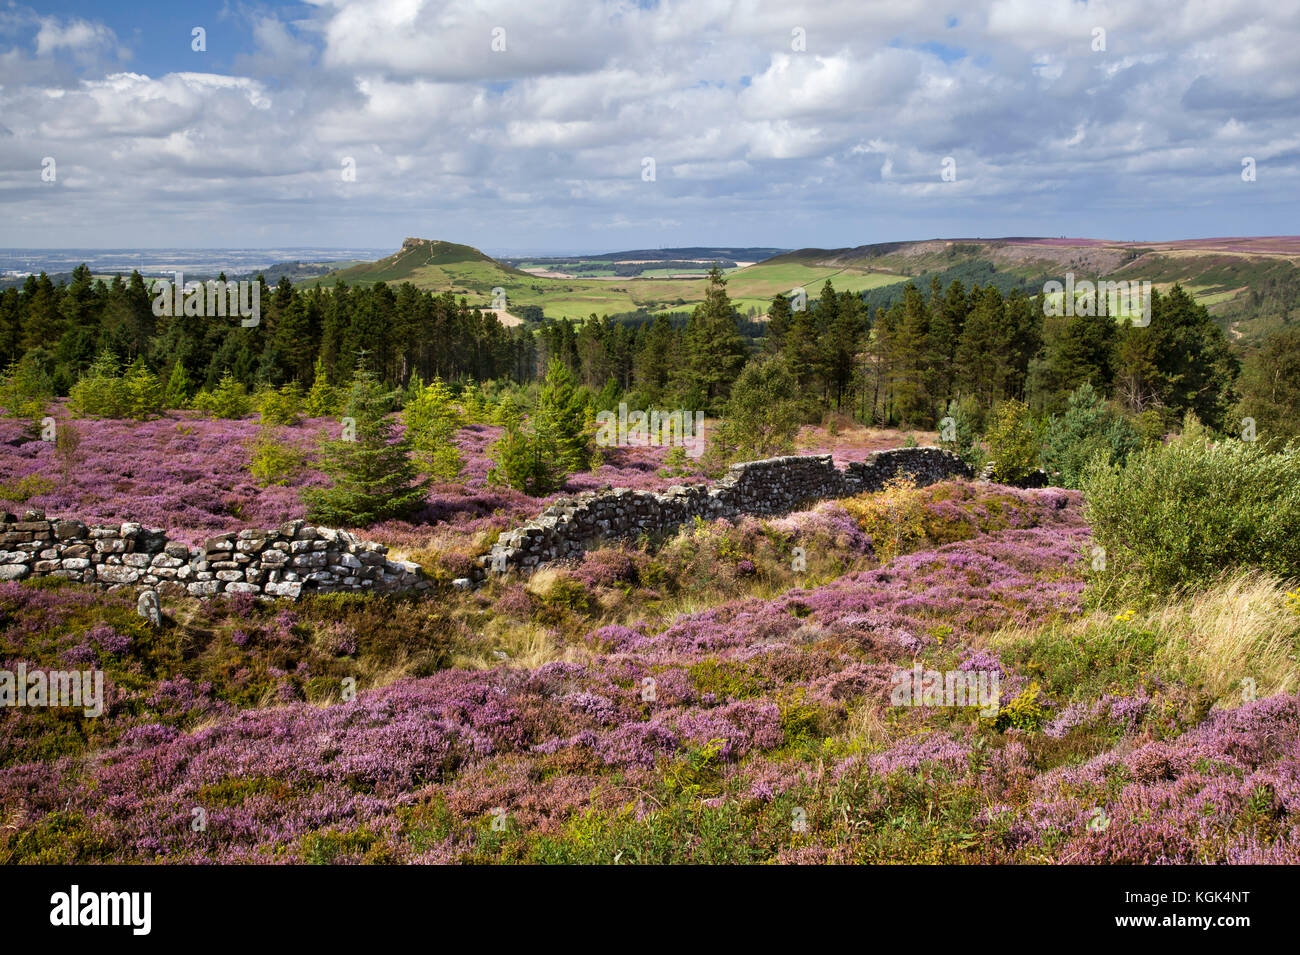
517,125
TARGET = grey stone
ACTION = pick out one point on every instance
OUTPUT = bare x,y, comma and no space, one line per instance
148,607
118,575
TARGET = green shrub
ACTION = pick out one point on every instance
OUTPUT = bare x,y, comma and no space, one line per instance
1270,388
475,404
556,442
373,477
761,416
676,463
432,421
280,407
1151,426
509,411
323,398
22,489
1181,514
1087,429
563,421
143,392
103,393
1023,712
894,517
25,388
177,393
960,438
274,462
520,460
229,399
100,392
1013,442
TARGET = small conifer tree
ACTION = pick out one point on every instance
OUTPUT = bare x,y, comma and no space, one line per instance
372,475
177,394
323,398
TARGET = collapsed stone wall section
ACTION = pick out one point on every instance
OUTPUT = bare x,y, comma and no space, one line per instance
285,562
297,558
768,487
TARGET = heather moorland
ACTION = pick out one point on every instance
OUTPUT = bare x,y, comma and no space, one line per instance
692,698
1072,639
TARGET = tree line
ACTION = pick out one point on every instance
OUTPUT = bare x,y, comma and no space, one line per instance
400,332
908,364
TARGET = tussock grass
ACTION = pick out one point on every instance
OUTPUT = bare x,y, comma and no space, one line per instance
867,728
374,673
525,645
1241,628
543,581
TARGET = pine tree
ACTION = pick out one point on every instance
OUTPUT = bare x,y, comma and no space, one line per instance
802,351
1077,349
100,392
982,350
229,399
373,477
907,360
778,324
657,358
1024,330
432,421
289,338
561,419
323,398
1270,388
43,324
1195,367
941,347
841,328
715,350
143,392
520,460
25,388
177,394
825,315
882,357
11,326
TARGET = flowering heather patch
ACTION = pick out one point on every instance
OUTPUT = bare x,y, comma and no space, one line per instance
1225,791
722,559
695,700
696,739
182,472
189,474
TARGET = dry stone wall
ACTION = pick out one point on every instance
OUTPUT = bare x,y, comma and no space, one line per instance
772,486
285,562
298,558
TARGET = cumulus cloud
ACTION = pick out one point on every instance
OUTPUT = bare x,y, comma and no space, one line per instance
75,35
509,123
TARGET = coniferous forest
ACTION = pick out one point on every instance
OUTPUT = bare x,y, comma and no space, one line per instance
931,352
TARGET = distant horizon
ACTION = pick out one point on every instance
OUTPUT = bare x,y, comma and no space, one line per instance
605,250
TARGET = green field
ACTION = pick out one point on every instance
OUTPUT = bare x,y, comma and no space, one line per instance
444,266
1214,277
1206,295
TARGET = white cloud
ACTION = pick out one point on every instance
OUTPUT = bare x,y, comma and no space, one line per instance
741,125
75,35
